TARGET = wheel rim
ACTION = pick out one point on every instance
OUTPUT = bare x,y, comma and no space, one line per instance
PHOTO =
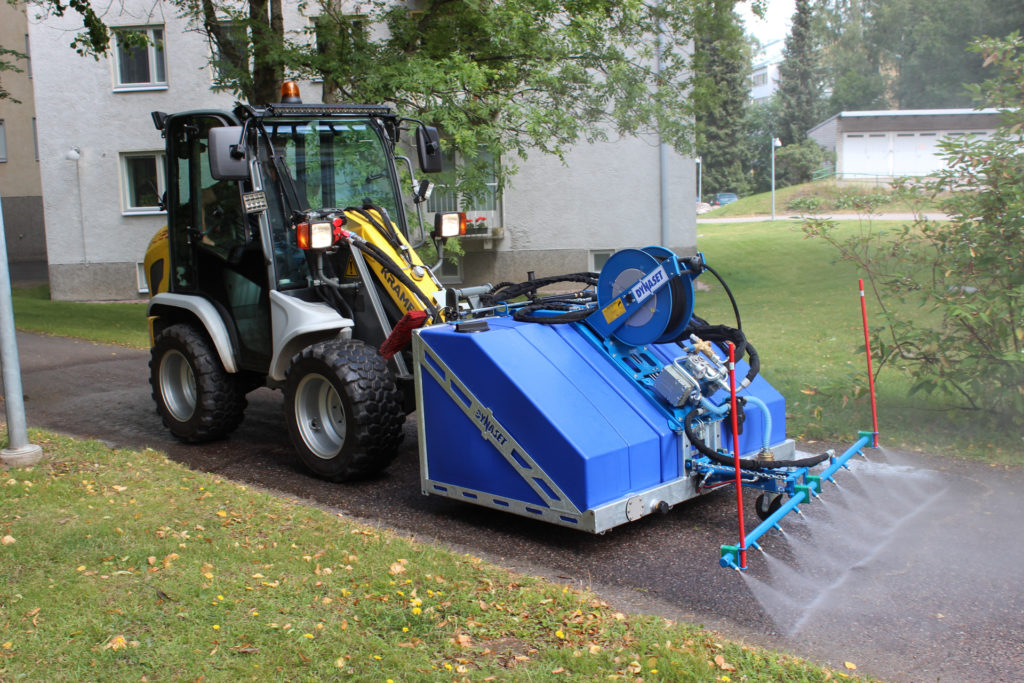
320,416
178,386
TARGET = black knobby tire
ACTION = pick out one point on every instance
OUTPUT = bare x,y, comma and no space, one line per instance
343,411
197,399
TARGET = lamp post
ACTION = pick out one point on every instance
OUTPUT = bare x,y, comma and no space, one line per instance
775,143
700,173
19,452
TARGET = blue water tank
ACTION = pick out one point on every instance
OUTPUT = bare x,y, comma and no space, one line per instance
522,407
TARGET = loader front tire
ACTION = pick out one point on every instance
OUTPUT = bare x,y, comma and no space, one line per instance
197,399
343,410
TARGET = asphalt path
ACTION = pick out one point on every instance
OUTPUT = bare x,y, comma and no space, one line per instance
913,570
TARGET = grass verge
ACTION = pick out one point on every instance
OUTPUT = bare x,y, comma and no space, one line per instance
123,324
801,309
829,196
121,565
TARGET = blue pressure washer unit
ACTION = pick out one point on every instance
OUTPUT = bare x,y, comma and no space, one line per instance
596,408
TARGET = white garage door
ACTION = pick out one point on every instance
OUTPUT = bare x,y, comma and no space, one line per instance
914,154
866,155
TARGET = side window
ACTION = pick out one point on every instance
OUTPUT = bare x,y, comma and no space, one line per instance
221,223
212,216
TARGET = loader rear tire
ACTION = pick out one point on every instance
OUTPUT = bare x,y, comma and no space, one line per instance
197,399
343,410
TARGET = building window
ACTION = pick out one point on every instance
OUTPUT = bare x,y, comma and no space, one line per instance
35,138
142,181
28,59
140,278
598,258
3,141
759,78
140,59
483,210
449,273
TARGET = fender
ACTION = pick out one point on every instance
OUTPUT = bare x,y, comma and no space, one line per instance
303,323
207,315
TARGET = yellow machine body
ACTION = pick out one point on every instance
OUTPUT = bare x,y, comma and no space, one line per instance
157,262
410,263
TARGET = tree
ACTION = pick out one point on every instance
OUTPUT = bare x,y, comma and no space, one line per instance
760,125
850,63
800,79
505,78
721,66
922,45
965,275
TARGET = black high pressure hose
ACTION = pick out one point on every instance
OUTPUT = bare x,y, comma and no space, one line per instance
723,459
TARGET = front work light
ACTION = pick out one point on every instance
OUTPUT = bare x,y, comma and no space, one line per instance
315,235
449,224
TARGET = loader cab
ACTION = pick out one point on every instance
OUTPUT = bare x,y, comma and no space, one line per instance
215,246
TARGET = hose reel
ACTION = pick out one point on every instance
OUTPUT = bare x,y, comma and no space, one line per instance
644,296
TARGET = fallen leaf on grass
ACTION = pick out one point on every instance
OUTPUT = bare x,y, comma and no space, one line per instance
118,642
7,540
850,665
722,664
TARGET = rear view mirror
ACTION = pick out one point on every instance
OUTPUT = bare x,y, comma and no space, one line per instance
428,148
227,159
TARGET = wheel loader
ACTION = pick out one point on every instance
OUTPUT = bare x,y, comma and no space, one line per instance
286,262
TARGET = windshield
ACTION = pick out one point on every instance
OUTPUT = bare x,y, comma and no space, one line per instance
335,165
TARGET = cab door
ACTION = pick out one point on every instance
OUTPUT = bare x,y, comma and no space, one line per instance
215,248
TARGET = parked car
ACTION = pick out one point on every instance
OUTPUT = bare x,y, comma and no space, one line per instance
723,198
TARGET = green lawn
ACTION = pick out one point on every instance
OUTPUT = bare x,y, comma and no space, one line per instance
829,195
801,309
107,323
124,566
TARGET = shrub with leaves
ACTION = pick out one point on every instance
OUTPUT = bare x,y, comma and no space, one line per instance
966,273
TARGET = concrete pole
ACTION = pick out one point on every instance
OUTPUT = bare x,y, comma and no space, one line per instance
19,452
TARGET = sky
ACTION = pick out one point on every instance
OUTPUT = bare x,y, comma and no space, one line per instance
775,24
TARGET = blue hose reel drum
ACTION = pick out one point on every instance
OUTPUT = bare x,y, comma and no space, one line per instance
643,297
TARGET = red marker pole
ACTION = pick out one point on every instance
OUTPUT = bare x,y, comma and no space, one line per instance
871,374
736,453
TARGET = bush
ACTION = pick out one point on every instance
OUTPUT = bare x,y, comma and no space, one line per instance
967,273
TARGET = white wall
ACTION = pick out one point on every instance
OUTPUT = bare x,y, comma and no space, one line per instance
606,198
77,107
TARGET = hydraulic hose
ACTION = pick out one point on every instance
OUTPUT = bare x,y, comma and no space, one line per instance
724,459
732,299
382,258
719,334
572,313
506,291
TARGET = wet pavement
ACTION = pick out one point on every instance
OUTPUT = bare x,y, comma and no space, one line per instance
912,569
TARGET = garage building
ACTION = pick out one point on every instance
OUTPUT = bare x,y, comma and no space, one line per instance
872,145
